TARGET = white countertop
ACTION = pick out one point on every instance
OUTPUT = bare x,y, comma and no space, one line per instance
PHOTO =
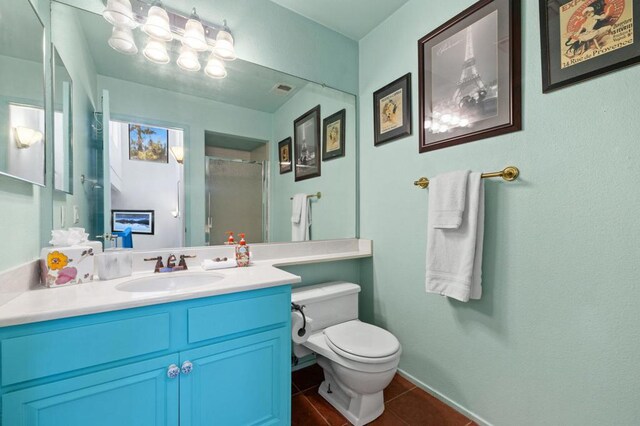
42,304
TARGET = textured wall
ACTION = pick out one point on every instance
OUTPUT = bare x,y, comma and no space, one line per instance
334,215
555,338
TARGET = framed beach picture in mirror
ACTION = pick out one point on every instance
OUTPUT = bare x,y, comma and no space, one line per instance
306,131
469,76
140,221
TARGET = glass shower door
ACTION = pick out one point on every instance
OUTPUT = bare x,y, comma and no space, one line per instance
235,200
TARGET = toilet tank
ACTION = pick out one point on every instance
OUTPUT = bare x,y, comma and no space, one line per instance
329,303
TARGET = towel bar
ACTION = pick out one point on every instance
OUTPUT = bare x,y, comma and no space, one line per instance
318,195
509,173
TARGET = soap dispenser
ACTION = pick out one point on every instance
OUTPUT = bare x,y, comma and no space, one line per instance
242,252
230,240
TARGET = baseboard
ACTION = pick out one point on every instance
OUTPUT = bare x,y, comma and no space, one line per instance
470,414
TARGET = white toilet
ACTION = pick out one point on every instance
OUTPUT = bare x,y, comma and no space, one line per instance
359,359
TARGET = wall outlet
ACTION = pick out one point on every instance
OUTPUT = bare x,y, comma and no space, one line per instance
76,215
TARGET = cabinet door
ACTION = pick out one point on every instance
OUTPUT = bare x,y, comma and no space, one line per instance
245,381
138,394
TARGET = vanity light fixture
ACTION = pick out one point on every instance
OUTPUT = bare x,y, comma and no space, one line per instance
163,25
119,13
224,48
156,52
215,68
178,154
26,136
157,25
194,34
122,40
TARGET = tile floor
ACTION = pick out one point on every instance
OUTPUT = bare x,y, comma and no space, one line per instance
405,405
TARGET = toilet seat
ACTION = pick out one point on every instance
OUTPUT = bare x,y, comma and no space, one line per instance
362,342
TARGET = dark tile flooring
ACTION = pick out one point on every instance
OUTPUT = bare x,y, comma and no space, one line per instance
405,404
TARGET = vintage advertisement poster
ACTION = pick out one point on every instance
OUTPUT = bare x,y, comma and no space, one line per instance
391,112
592,28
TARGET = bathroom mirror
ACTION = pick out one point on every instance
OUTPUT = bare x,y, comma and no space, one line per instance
202,152
22,129
62,126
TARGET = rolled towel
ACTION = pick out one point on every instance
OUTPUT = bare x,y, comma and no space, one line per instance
209,264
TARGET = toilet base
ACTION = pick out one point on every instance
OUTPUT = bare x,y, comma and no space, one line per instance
359,410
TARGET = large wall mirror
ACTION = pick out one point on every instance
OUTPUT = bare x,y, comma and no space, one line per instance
188,157
22,142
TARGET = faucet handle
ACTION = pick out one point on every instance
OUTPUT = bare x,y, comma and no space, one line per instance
183,262
158,261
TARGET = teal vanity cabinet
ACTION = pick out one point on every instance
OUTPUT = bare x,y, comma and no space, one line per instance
221,360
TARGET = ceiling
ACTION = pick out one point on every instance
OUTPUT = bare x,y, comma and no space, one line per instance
353,18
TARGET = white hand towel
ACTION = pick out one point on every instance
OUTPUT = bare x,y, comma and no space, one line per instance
447,194
300,222
296,207
454,256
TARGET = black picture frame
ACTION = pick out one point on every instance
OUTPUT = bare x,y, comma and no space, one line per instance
469,79
572,54
389,124
142,217
333,138
141,150
306,136
284,156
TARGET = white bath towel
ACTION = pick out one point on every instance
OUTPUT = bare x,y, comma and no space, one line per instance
300,218
454,256
448,194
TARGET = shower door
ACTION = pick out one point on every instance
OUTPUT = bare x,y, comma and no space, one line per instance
236,200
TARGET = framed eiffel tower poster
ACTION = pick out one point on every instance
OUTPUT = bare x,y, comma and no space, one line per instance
469,76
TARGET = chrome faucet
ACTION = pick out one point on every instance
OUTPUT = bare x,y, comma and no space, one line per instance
171,261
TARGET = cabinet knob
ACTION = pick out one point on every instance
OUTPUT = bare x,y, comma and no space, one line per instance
173,371
186,367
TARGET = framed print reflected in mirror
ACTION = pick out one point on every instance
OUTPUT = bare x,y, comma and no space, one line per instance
306,131
469,76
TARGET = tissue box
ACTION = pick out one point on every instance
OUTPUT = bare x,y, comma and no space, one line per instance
114,264
66,265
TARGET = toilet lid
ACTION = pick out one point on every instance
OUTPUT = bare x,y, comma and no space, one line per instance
362,339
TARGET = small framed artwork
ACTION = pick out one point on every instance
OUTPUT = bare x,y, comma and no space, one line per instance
306,131
392,111
284,155
140,221
148,143
582,39
469,81
333,137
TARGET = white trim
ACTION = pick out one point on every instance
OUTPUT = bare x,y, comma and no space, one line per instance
470,414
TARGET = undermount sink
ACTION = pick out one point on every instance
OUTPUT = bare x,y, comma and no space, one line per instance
170,282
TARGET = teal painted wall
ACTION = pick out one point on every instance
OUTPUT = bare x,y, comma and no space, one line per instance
195,115
74,52
554,340
334,215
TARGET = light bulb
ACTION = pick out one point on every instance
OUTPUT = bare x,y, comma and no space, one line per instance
215,68
224,48
194,35
119,13
156,52
122,41
157,25
188,59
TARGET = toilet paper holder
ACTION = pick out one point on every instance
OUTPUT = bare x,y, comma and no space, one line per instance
300,308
